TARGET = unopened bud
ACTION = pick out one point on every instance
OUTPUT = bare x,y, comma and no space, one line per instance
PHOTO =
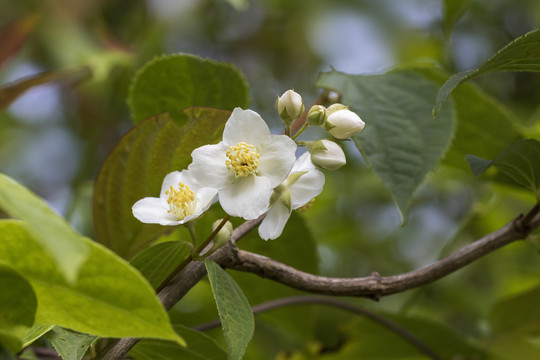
224,234
317,115
343,123
336,107
289,106
327,154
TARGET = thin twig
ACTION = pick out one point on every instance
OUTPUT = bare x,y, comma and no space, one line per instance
190,258
341,304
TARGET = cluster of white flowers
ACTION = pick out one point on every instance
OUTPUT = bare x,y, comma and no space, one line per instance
253,172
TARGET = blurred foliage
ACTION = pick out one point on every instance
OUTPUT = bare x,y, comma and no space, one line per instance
56,137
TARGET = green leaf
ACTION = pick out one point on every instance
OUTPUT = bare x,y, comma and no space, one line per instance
66,247
517,314
478,165
70,345
484,126
5,354
199,347
518,164
173,83
522,54
18,306
35,333
401,141
234,310
453,11
135,169
109,298
370,340
158,261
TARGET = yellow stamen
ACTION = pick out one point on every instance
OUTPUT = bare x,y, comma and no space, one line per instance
243,159
307,206
182,202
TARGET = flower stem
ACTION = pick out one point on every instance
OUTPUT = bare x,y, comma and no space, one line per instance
304,127
194,253
192,233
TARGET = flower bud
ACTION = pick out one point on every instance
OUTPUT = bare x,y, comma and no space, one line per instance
343,123
224,234
289,106
317,115
327,154
336,107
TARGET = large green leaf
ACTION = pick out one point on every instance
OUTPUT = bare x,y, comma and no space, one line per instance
453,11
522,54
199,347
158,261
518,164
484,126
35,333
518,314
234,310
70,345
109,298
401,140
135,169
66,247
18,306
176,82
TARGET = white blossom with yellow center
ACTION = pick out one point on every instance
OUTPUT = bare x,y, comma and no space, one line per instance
246,165
303,184
182,199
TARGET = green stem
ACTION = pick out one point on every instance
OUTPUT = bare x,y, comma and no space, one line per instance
195,253
288,130
192,232
304,127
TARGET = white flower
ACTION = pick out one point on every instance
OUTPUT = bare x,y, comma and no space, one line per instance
303,184
327,154
289,106
343,123
246,165
182,199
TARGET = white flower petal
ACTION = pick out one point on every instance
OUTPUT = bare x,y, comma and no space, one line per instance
149,210
209,168
273,224
205,197
246,197
306,188
303,163
277,158
245,126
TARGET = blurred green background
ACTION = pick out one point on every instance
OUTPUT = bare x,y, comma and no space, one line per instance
55,137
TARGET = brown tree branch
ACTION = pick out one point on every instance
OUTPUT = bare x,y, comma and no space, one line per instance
341,304
376,286
373,286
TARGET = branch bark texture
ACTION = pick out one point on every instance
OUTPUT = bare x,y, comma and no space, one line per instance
373,286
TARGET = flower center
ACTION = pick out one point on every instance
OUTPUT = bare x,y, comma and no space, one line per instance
182,202
243,159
